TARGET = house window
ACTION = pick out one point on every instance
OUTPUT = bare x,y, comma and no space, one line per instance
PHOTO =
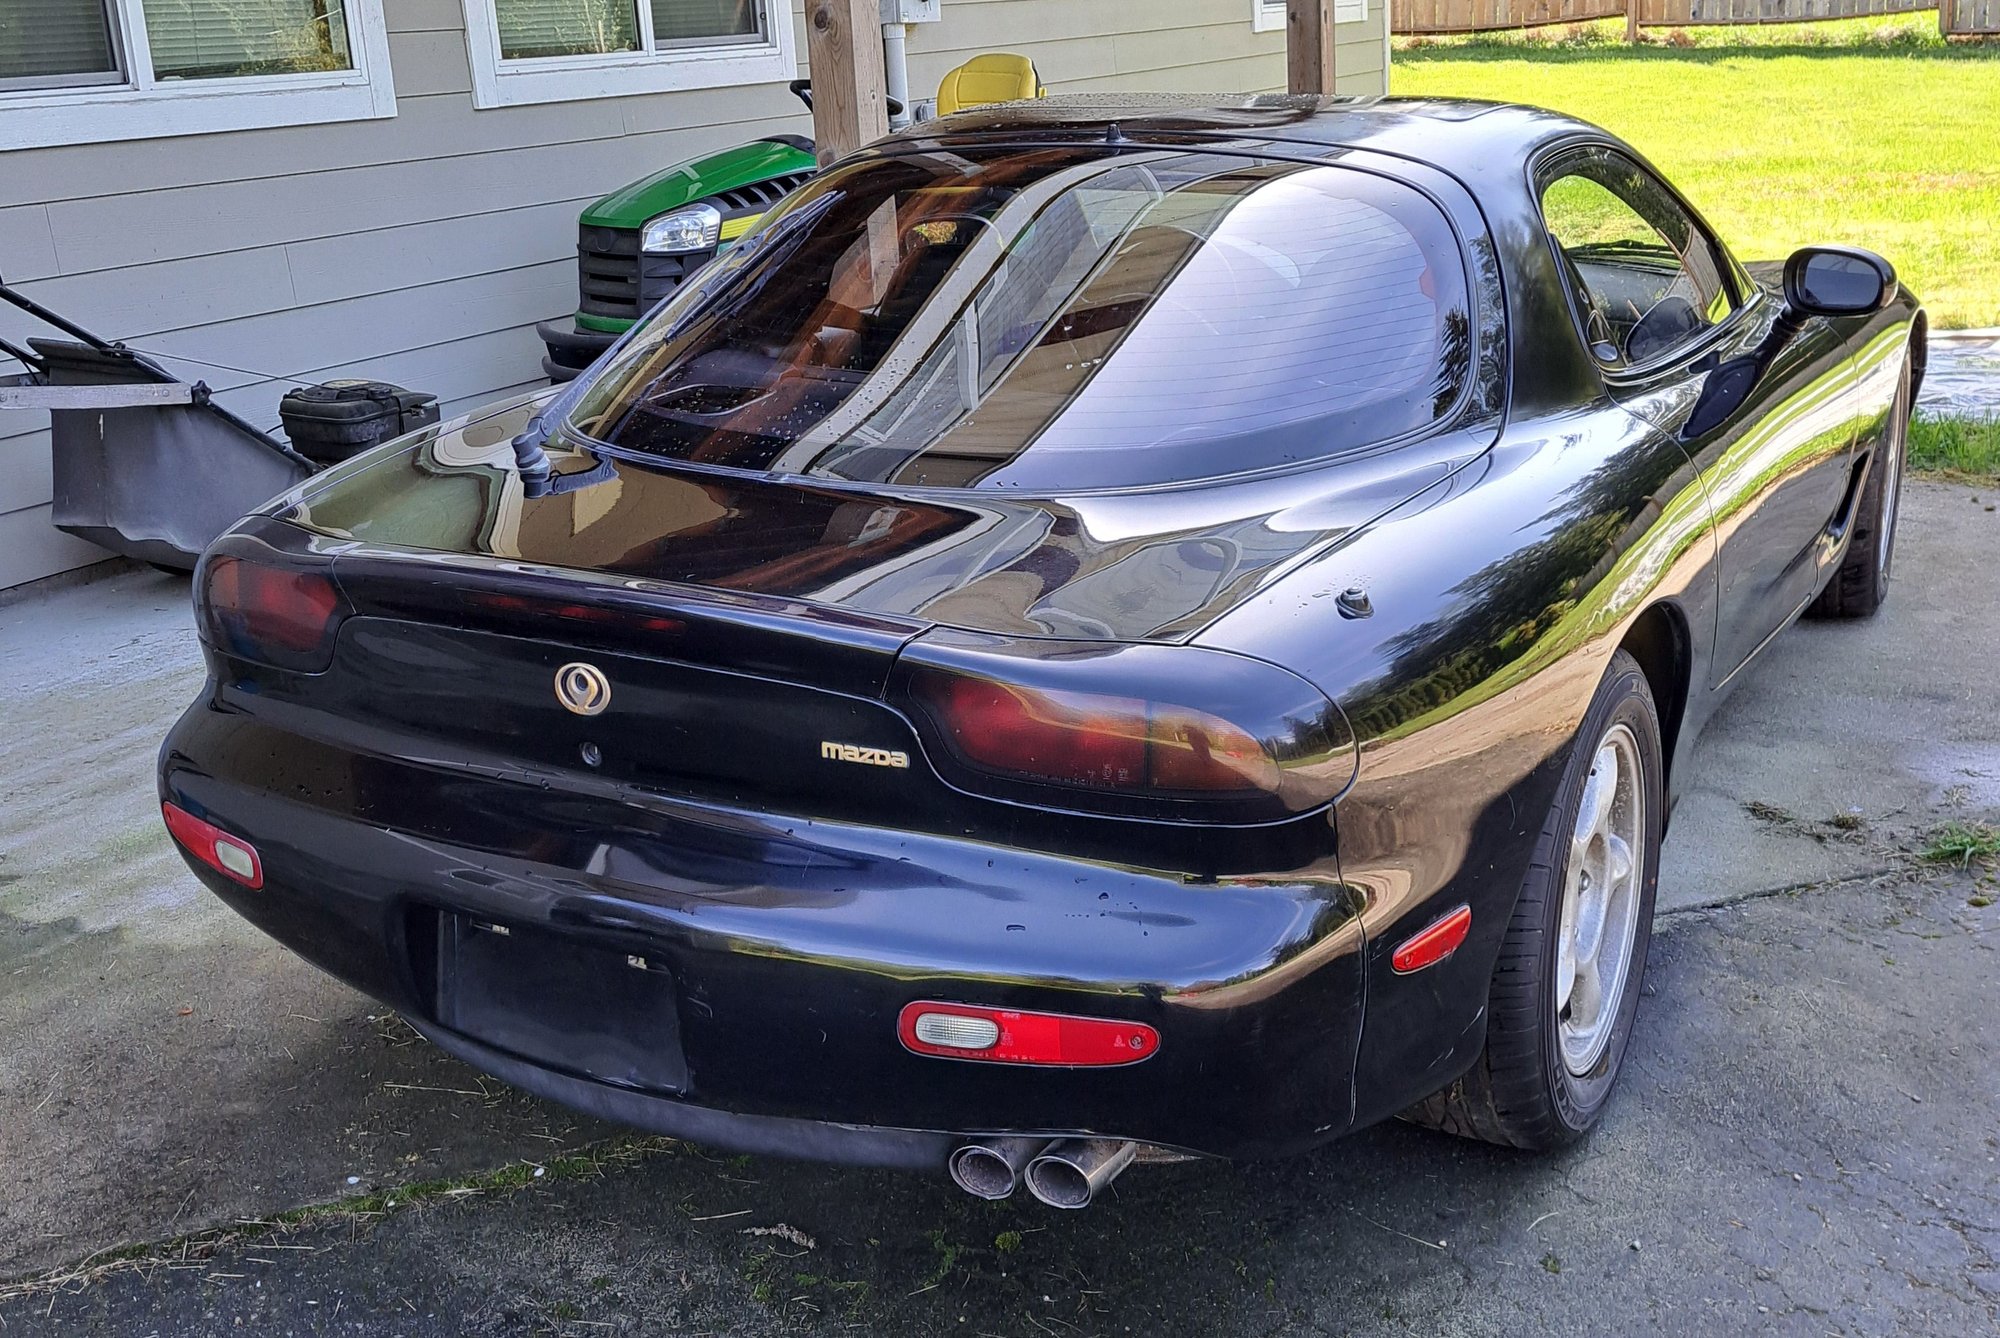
564,50
1269,15
80,71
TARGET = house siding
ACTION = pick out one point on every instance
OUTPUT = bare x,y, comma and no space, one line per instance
422,249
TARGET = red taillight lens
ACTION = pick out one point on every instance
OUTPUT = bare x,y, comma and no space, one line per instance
1134,729
1099,742
270,614
1009,1036
230,856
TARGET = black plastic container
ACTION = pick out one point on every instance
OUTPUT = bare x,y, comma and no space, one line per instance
329,422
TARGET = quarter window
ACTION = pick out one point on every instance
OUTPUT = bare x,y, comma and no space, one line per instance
1645,278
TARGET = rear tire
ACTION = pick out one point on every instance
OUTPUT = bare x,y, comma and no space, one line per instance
1861,583
1557,1023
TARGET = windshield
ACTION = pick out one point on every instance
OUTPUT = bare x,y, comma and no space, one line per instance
1054,319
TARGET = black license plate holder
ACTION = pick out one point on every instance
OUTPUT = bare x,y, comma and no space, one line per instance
595,1012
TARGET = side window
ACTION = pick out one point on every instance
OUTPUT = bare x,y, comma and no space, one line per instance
1646,279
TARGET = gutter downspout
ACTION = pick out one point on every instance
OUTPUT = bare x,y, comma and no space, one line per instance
896,72
1388,28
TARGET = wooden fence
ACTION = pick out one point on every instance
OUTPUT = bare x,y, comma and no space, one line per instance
1475,16
1462,16
1691,13
1969,16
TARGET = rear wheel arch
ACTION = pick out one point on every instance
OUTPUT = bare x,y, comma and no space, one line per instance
1523,1089
1658,639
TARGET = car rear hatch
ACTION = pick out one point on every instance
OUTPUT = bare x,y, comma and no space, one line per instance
710,695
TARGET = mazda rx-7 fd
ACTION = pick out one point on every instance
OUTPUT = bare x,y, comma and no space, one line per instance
1100,629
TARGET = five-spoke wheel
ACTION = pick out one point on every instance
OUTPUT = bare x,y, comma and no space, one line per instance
1600,906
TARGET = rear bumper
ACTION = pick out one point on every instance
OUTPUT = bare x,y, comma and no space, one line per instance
793,945
764,1135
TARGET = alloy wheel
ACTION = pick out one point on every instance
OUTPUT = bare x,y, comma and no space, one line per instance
1601,897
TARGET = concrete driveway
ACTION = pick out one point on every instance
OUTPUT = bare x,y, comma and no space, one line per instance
1805,1142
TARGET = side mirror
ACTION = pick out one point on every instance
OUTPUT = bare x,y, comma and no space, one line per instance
1819,281
1838,281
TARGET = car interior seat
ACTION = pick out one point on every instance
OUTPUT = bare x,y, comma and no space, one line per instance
996,76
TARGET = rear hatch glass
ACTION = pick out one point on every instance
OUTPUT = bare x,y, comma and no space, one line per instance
1054,319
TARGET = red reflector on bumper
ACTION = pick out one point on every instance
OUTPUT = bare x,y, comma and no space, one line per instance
1434,944
228,855
1007,1036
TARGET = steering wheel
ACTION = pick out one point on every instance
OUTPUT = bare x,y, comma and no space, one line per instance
802,89
1667,322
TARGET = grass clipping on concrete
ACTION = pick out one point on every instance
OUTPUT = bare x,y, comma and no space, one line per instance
195,1250
1874,132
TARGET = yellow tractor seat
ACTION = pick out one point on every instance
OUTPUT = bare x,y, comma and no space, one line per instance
996,76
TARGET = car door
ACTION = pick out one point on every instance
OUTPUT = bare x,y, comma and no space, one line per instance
1663,305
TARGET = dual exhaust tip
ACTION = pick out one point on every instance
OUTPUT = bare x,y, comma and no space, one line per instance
1065,1173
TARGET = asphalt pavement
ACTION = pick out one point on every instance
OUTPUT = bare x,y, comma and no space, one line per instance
1804,1142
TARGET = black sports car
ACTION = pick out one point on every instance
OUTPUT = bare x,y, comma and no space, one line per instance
1100,627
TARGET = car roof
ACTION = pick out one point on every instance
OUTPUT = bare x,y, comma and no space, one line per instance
1459,135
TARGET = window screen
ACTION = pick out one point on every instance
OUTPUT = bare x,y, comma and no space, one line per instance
531,28
1057,319
216,39
703,20
53,42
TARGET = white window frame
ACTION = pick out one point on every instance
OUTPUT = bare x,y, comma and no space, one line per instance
717,64
136,106
1268,16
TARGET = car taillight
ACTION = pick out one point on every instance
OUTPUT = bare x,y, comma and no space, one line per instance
1010,1036
273,615
1130,729
228,855
1095,741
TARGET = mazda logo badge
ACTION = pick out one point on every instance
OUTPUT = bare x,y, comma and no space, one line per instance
583,688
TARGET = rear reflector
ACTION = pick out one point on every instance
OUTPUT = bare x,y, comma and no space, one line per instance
226,854
1006,1036
1434,944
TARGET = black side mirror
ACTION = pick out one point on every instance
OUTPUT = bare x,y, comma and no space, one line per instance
1819,281
1838,281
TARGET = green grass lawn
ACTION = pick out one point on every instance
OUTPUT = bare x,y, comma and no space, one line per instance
1963,448
1868,131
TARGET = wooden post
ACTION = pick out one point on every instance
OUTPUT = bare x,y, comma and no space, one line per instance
844,58
1309,46
1632,20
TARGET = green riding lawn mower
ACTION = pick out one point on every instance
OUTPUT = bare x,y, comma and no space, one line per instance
640,243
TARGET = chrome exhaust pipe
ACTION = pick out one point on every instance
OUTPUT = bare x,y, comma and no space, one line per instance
991,1168
1073,1171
